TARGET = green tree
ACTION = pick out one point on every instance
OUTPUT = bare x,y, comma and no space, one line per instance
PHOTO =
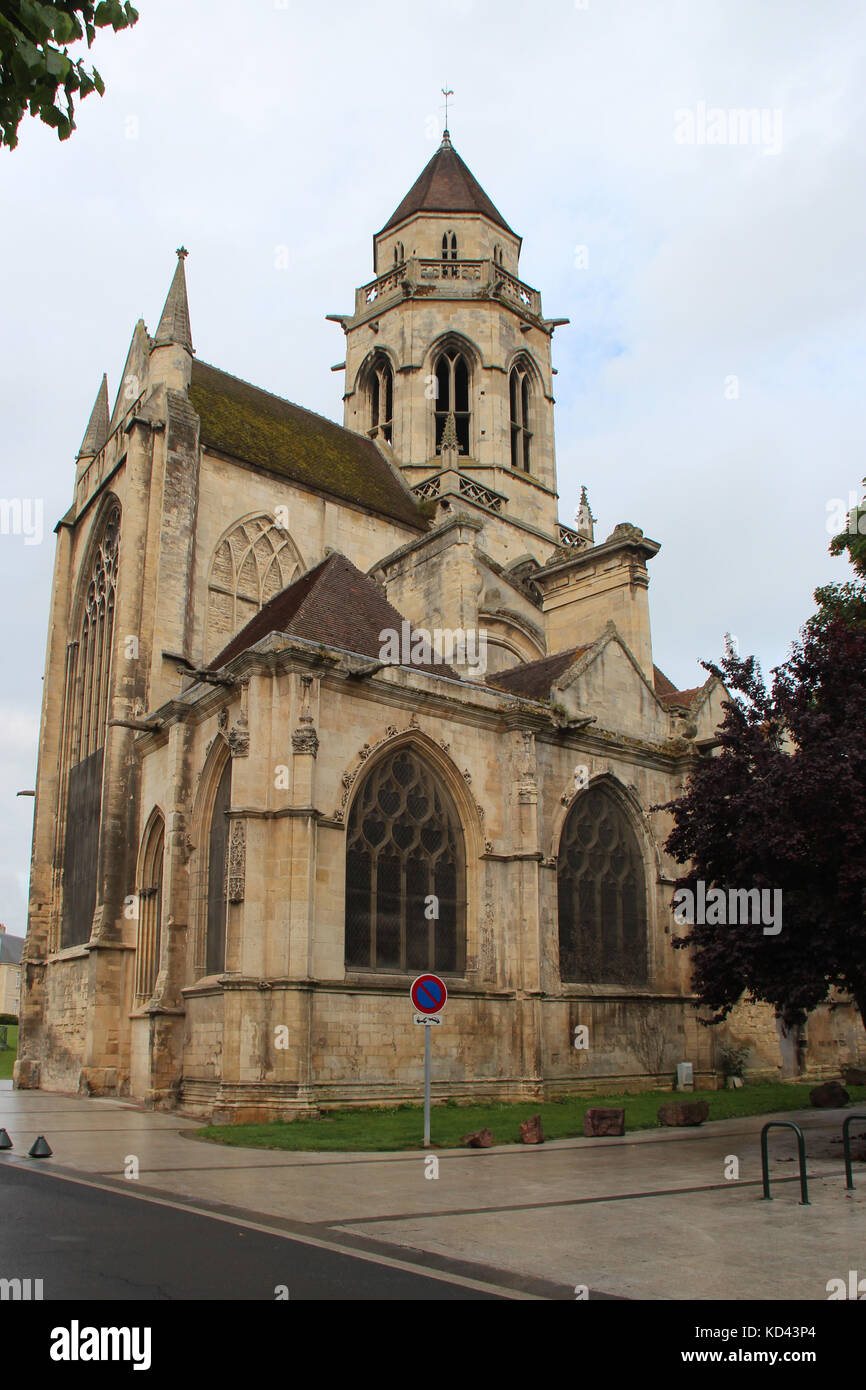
783,806
35,67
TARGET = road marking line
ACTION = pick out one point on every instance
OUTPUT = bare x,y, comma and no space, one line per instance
462,1280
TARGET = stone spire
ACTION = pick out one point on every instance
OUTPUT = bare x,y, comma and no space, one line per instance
97,430
449,449
174,325
584,518
449,434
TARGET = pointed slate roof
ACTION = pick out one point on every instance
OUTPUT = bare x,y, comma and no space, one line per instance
446,185
174,324
97,430
269,432
333,603
10,949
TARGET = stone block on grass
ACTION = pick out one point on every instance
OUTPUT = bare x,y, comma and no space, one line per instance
684,1114
830,1096
479,1139
531,1131
602,1120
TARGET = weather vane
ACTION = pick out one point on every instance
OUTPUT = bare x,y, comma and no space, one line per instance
446,92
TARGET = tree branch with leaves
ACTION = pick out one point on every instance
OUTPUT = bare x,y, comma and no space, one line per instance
36,70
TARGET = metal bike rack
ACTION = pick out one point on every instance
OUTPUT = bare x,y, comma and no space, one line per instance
846,1145
801,1149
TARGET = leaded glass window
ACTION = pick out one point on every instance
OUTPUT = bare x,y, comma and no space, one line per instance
404,845
602,894
150,913
88,687
218,839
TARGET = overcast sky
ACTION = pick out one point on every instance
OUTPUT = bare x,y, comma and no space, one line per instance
710,384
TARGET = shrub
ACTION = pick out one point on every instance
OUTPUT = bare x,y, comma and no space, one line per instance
733,1060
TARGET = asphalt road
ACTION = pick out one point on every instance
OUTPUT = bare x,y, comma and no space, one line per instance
87,1243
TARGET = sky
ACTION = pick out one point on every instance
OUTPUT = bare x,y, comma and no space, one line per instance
709,385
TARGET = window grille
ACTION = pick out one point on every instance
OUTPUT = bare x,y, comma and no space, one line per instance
218,840
150,915
602,895
404,844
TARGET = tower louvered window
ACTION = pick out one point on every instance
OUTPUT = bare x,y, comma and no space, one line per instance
381,400
521,435
449,253
602,894
404,852
452,397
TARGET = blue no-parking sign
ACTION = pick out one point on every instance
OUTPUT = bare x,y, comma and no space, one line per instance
428,994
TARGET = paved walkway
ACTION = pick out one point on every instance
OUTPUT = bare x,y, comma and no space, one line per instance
648,1216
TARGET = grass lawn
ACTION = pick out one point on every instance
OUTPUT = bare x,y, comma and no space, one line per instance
402,1127
8,1056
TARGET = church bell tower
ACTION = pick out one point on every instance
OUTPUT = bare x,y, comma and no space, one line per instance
448,363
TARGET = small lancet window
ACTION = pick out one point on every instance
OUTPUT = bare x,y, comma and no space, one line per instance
381,400
521,435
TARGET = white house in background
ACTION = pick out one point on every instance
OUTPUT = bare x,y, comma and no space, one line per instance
10,971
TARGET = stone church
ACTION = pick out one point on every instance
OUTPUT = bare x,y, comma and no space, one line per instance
326,707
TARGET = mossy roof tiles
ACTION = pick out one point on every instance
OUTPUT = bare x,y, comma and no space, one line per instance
268,432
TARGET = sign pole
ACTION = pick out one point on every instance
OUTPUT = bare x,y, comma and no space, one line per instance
428,994
427,1032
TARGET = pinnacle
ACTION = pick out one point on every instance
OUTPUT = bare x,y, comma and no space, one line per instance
174,324
449,434
97,429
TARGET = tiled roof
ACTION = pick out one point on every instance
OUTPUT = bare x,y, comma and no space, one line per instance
333,603
535,678
264,430
446,185
662,685
681,697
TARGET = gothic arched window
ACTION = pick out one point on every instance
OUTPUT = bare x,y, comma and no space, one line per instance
217,865
251,564
404,856
521,435
452,397
93,664
602,894
381,391
150,912
398,253
88,685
